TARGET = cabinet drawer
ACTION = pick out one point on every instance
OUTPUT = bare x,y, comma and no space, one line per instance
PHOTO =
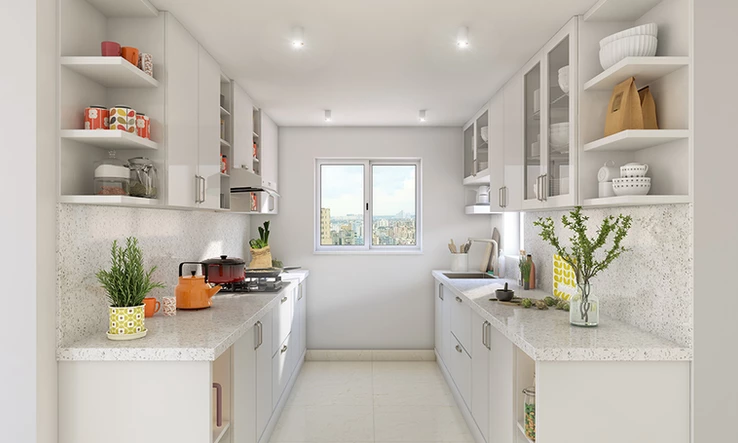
461,321
281,370
459,365
282,318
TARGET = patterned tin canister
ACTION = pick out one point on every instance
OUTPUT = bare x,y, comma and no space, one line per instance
143,126
169,306
146,63
126,323
123,118
96,117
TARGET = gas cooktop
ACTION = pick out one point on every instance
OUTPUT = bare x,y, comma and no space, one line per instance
261,284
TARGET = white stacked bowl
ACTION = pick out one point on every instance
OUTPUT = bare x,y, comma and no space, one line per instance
559,135
564,79
640,41
631,185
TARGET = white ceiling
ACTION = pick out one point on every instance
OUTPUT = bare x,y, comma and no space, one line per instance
372,62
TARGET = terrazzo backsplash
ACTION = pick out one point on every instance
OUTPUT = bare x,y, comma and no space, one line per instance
166,237
650,286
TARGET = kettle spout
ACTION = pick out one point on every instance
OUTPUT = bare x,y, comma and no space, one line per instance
214,290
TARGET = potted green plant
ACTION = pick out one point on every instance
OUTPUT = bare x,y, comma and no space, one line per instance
126,285
584,307
524,266
261,254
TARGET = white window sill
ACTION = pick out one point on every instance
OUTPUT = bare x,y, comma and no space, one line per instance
370,252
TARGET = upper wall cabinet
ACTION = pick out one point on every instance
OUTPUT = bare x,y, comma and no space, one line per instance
243,129
476,149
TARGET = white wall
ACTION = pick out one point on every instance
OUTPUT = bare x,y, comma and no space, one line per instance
715,220
371,301
18,221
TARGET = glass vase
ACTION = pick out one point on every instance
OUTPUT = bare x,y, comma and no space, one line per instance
584,307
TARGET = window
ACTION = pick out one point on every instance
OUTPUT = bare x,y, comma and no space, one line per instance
368,205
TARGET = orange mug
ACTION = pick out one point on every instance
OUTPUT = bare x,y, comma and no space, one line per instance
130,53
152,306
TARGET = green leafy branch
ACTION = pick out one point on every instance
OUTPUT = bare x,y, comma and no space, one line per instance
127,283
581,256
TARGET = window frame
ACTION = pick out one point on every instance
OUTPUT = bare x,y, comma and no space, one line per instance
368,247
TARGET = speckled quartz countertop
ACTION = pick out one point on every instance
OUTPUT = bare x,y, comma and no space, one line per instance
548,336
200,335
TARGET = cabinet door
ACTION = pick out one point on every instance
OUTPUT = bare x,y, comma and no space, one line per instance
208,158
182,124
469,159
448,299
244,386
281,371
514,145
264,376
243,128
282,316
460,369
461,322
438,319
270,152
495,143
533,136
296,328
480,374
303,317
501,388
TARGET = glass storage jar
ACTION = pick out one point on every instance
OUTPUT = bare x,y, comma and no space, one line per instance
143,177
111,176
529,406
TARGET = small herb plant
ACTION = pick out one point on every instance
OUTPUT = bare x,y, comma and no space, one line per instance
127,283
524,266
263,240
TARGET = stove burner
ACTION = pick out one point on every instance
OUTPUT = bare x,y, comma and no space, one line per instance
261,284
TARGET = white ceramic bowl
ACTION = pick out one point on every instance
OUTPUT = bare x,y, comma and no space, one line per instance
633,170
484,132
647,29
634,46
631,186
564,79
559,135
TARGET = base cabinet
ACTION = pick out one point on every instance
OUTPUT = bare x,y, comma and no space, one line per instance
480,374
264,402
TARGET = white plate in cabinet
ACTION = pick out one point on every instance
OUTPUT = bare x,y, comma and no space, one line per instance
459,366
282,319
281,371
461,322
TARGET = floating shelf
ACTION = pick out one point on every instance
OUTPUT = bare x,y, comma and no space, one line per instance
224,111
646,70
522,432
478,209
223,174
637,200
219,433
619,10
224,143
636,139
120,200
256,135
109,139
129,8
482,178
111,72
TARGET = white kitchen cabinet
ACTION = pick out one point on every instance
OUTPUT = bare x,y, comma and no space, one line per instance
461,322
496,145
208,158
244,386
448,301
512,191
264,402
438,323
480,393
476,150
281,370
243,129
302,316
459,366
282,316
501,379
182,116
270,152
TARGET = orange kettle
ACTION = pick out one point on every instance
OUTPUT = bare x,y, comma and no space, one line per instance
193,291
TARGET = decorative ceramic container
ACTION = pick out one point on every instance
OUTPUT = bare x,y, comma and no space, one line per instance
631,185
110,49
126,323
123,118
146,63
97,117
143,126
169,306
131,54
633,170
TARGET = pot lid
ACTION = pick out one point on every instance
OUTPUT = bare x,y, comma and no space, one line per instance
224,260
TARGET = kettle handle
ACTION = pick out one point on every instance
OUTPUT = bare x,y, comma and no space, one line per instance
202,265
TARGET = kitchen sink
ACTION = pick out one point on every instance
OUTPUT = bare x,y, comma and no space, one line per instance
469,275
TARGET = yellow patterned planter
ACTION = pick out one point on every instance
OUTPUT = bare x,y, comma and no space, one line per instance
126,323
564,279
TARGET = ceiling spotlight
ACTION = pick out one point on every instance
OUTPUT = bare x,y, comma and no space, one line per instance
298,37
421,116
462,37
328,115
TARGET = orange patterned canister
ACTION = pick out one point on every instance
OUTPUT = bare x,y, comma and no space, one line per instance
143,126
123,118
96,117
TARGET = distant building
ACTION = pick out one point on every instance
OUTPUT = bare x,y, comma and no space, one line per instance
325,227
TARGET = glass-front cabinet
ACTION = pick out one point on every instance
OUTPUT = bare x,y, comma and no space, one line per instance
476,149
550,127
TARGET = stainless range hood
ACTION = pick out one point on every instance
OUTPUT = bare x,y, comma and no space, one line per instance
244,181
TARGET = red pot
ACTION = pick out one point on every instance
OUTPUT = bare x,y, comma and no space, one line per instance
225,269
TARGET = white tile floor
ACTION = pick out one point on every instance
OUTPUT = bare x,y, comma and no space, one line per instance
371,402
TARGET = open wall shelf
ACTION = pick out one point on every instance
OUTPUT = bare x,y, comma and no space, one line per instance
117,200
111,72
108,139
646,70
636,139
637,200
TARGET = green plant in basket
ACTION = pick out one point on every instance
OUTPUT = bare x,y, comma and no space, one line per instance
127,283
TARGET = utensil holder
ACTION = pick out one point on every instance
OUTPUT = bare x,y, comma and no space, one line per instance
459,262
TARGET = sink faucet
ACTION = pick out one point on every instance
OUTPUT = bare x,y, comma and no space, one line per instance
489,261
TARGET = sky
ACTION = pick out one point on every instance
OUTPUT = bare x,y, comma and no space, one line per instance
342,189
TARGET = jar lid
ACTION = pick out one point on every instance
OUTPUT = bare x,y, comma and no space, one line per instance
530,390
224,260
140,161
112,171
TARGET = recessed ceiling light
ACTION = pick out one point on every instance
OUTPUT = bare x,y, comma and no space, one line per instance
421,116
328,115
462,37
298,37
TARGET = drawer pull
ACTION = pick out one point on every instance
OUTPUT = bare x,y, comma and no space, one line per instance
458,348
284,299
218,404
284,349
458,299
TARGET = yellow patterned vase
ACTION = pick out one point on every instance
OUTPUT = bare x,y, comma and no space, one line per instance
126,323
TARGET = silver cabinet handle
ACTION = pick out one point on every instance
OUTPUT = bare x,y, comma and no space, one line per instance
499,198
259,335
284,299
440,291
474,168
203,189
197,189
484,334
299,291
458,348
283,350
545,187
504,195
458,299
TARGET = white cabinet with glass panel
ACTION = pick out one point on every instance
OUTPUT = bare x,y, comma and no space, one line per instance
368,205
476,149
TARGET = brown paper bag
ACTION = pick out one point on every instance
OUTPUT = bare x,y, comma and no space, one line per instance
261,258
648,108
624,111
